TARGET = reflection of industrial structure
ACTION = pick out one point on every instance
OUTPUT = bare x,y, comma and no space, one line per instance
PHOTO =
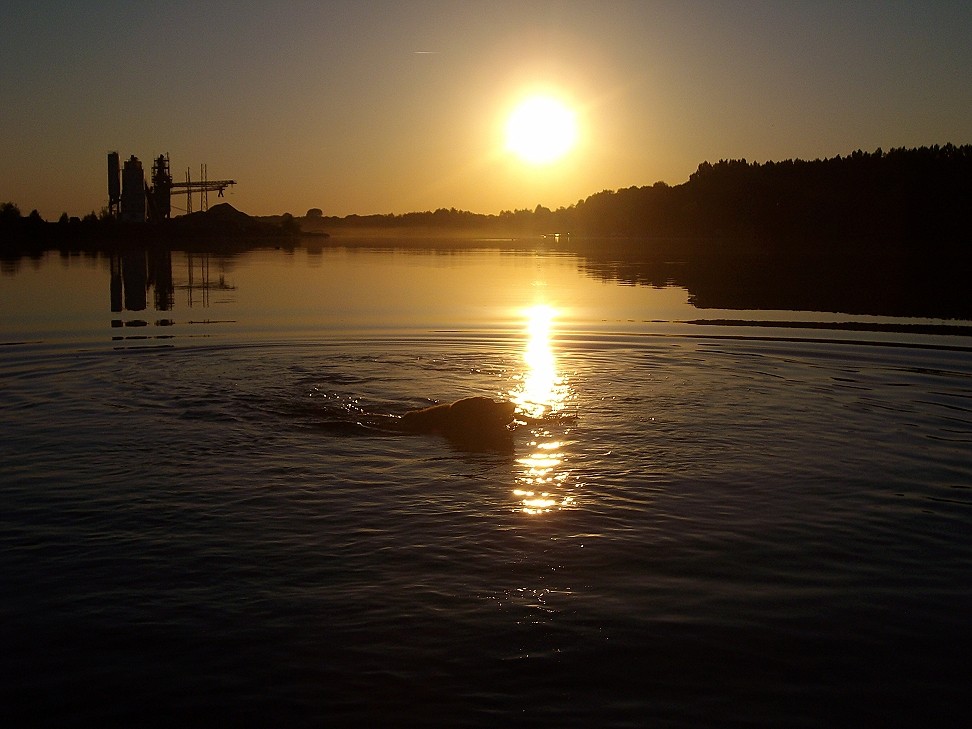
137,271
134,272
198,288
133,199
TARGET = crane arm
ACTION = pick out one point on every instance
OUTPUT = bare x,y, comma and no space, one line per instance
207,186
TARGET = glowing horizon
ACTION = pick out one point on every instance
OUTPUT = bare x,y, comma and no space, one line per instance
371,108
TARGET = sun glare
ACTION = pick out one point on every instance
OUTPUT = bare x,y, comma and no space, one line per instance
541,130
543,480
541,389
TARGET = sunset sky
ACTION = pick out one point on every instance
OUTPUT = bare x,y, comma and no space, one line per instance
389,107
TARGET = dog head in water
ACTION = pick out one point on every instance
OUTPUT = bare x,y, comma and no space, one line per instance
468,414
473,423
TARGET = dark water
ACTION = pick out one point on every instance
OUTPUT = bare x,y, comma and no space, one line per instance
203,522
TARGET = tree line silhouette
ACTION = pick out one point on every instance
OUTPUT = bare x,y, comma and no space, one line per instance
903,196
221,226
913,199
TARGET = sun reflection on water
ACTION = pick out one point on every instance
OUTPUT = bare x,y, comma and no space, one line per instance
541,393
541,390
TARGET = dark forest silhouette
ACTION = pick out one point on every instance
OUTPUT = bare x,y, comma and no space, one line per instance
900,197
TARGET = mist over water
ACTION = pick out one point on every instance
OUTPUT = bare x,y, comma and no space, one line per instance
204,520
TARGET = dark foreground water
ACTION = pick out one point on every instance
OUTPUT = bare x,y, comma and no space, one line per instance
205,523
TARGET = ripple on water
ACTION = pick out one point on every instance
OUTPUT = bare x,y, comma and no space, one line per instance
747,529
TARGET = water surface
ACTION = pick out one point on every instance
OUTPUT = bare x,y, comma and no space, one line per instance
710,524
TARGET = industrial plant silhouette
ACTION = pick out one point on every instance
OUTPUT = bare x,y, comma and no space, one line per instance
133,200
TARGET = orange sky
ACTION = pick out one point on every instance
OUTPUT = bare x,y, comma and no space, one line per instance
365,107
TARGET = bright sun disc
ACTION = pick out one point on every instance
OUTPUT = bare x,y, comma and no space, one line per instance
541,130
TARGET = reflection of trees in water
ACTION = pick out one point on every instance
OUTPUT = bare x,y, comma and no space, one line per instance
884,284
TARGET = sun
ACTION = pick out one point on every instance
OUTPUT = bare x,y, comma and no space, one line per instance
541,130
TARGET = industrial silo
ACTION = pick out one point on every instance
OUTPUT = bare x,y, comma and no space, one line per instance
114,183
133,191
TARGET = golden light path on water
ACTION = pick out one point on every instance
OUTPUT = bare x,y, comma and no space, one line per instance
541,395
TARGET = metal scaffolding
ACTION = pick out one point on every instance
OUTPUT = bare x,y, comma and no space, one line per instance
203,187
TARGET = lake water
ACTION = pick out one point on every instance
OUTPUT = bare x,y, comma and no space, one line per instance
761,522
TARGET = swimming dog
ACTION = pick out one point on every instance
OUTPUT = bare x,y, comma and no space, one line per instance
473,423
